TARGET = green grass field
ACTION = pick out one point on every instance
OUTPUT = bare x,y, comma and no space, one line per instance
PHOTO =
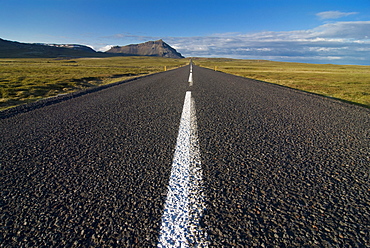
27,80
346,82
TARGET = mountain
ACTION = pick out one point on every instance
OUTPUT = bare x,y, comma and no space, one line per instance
13,49
151,48
71,46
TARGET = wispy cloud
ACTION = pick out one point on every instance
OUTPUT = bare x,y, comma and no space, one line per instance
339,42
334,14
345,30
104,48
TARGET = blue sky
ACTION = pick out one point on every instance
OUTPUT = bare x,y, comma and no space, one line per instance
313,31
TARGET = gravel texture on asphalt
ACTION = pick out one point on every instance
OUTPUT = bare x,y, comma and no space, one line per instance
281,168
91,171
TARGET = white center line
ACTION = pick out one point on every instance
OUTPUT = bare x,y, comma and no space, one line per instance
185,198
190,79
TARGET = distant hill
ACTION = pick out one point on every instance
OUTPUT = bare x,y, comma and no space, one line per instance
76,47
151,48
13,49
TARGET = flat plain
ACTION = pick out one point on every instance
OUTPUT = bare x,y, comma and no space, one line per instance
350,83
28,80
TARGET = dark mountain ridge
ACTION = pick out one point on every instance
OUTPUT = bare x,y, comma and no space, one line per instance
13,49
157,48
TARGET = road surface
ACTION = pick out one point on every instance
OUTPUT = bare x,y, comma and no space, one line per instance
276,167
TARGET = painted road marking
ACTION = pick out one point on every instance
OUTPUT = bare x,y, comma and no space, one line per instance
190,79
185,198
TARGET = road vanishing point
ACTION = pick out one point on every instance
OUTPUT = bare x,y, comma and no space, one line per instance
186,158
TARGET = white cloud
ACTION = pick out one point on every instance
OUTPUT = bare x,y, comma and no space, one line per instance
338,42
334,14
104,48
349,30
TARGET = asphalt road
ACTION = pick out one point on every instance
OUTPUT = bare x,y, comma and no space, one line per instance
281,168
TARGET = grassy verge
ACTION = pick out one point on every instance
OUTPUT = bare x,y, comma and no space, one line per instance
346,82
27,80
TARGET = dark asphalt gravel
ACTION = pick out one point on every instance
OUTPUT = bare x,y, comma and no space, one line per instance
282,168
91,171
